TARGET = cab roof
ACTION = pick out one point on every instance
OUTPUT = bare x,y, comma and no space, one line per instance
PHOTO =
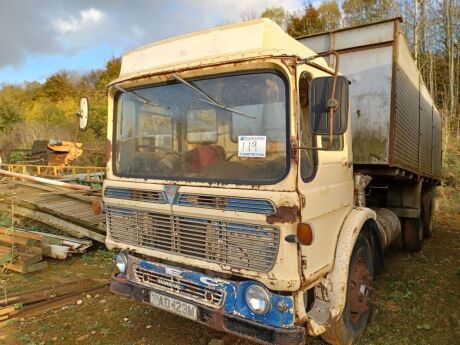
261,37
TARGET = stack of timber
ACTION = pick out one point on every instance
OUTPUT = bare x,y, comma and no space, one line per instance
33,302
70,211
23,251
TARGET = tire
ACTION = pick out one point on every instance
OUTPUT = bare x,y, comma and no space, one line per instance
351,324
427,215
413,234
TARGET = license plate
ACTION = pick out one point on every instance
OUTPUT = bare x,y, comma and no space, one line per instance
173,305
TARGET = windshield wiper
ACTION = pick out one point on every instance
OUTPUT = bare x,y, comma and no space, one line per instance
140,98
209,99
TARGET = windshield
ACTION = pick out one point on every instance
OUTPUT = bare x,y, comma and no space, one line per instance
170,131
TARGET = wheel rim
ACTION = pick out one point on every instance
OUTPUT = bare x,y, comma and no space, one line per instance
359,290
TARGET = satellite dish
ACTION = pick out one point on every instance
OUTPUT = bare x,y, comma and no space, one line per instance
82,114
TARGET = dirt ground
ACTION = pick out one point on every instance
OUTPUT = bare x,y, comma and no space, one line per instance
417,302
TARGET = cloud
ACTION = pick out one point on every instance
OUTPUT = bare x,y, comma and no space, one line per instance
87,18
54,27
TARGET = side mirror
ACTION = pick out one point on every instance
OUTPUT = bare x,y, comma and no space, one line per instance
321,102
82,113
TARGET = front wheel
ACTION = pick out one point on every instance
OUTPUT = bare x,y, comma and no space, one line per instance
351,324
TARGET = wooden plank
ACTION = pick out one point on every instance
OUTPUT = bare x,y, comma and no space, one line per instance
7,257
35,295
51,240
69,215
10,309
58,252
33,250
4,250
62,191
45,306
71,228
23,268
29,259
17,240
20,233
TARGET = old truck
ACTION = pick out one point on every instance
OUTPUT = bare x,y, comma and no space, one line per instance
255,180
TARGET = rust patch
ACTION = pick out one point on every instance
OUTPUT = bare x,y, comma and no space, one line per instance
284,214
97,206
294,150
290,63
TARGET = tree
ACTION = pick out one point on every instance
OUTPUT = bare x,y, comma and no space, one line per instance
305,22
330,15
366,11
11,99
278,15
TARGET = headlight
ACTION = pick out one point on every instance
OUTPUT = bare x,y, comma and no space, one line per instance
121,261
258,300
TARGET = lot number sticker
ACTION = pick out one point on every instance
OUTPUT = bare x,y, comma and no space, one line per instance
252,146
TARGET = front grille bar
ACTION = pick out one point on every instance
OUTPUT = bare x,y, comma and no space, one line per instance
238,245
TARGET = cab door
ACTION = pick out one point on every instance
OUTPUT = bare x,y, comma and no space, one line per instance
325,184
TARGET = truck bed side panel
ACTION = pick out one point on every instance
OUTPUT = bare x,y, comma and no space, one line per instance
394,120
406,136
370,96
437,144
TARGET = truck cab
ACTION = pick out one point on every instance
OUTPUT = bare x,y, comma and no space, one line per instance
230,191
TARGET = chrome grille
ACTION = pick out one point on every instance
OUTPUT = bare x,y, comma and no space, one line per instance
135,194
238,245
226,203
178,286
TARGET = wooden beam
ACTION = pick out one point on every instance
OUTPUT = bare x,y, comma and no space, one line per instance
20,233
17,240
22,267
71,228
49,292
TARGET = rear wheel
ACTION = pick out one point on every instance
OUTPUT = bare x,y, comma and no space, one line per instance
427,214
413,234
351,324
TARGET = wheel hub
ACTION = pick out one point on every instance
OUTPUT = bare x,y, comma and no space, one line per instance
358,292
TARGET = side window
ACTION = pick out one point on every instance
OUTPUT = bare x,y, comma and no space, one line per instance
307,157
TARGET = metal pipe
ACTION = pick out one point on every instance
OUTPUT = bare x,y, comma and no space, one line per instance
45,180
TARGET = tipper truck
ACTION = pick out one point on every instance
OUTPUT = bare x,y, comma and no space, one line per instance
255,180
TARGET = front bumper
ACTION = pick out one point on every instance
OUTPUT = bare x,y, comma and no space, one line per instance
218,320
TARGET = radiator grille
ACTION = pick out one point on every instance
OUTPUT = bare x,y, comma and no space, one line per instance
238,245
178,286
135,194
226,203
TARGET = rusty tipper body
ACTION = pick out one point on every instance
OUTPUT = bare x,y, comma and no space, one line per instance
231,191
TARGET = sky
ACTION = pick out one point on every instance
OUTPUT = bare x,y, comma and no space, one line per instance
39,38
